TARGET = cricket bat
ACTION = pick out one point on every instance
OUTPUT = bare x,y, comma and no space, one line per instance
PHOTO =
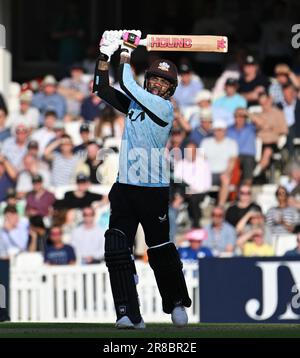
195,43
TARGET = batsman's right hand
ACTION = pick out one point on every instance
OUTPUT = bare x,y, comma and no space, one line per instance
109,43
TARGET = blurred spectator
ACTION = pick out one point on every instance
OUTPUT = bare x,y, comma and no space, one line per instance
253,244
245,135
203,130
31,166
189,85
221,153
26,114
92,163
39,201
195,250
270,124
45,134
47,99
64,162
231,101
252,82
244,204
283,75
15,148
74,89
294,199
92,106
88,239
221,235
3,104
81,197
203,102
8,176
59,253
14,233
85,137
296,251
33,148
110,124
38,235
283,218
291,109
194,171
254,219
4,131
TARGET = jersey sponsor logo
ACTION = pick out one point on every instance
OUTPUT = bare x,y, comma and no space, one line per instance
141,115
171,42
162,218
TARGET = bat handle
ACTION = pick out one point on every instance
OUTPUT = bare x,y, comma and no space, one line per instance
143,42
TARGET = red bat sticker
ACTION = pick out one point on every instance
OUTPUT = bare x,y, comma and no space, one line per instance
221,44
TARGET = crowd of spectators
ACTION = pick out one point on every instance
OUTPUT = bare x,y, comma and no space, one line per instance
52,142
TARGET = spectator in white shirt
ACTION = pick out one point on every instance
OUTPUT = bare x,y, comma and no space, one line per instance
221,153
45,134
194,171
88,239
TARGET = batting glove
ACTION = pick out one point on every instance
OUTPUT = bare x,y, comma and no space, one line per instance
131,39
109,43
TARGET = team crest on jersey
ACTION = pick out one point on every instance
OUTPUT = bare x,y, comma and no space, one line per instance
164,66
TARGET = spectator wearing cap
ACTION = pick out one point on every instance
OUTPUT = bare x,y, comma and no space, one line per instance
296,251
193,170
92,106
204,129
81,197
188,86
195,250
31,166
221,235
4,131
33,148
291,109
59,253
88,239
231,101
283,76
253,244
245,135
85,139
45,134
15,148
203,101
221,153
49,100
14,233
26,113
38,235
252,82
74,89
92,163
270,125
64,162
39,201
8,176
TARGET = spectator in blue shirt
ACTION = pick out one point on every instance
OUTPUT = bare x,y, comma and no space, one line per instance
221,235
296,251
204,129
59,253
4,131
195,250
189,85
49,100
8,176
231,101
245,135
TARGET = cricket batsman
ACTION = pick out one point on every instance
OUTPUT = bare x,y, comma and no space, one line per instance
141,192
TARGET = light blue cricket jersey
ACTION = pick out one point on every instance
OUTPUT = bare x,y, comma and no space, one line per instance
147,127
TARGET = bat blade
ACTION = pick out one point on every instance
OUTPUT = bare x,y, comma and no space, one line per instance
194,43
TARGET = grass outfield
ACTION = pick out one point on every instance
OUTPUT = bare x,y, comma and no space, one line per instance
91,330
